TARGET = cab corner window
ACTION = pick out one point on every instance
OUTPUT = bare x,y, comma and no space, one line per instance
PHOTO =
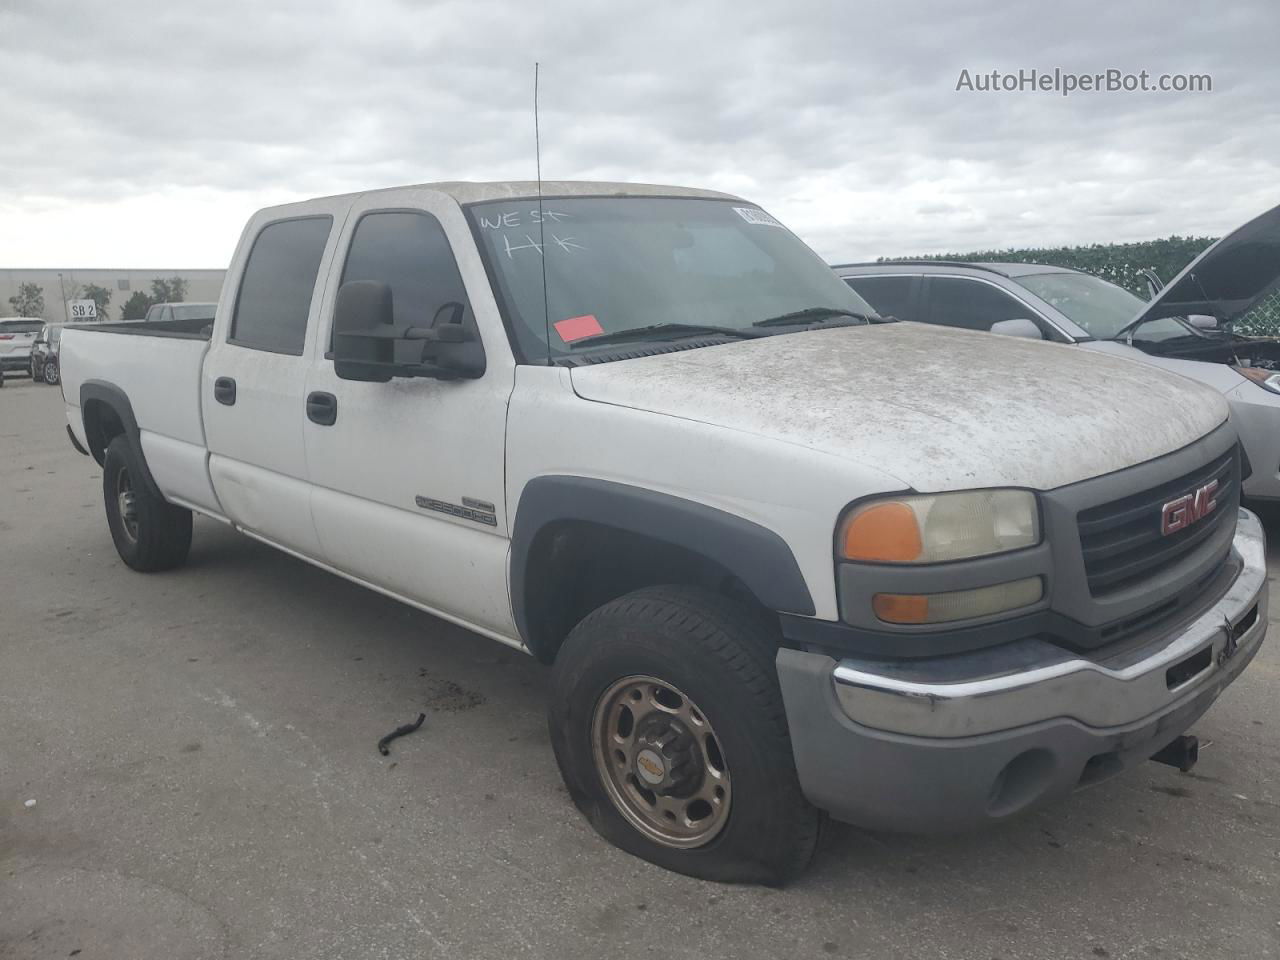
278,282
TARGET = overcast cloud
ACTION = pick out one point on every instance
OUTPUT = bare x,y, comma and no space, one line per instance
140,133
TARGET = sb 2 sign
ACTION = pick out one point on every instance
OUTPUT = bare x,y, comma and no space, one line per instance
82,309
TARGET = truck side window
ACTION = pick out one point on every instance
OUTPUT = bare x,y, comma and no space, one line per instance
972,304
275,291
410,253
891,296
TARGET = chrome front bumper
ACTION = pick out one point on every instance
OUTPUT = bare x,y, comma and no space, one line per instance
951,743
1031,680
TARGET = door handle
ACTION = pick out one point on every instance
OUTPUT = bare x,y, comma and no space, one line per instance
224,391
322,408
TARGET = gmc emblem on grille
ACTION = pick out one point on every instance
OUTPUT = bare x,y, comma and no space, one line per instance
1181,513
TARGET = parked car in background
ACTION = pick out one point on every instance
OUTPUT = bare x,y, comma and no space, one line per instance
780,558
17,334
44,354
1185,327
164,312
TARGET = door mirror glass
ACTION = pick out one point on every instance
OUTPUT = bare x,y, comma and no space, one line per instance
1018,327
368,345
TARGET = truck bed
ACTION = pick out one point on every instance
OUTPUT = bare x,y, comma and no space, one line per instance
158,367
192,329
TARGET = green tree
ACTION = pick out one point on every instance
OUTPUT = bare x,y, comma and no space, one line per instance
173,290
29,301
99,295
136,307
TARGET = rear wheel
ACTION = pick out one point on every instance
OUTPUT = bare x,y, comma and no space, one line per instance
668,725
150,534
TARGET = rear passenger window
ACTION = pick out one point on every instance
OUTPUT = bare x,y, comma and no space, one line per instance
409,252
275,292
891,296
972,304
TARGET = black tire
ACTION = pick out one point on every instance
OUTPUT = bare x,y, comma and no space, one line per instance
154,534
49,372
721,656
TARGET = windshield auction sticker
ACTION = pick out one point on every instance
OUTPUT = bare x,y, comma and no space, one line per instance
575,328
756,215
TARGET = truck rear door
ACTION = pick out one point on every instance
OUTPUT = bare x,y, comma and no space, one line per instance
252,390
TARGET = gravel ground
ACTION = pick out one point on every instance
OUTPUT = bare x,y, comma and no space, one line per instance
188,769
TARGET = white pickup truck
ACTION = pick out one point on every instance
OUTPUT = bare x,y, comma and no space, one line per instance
783,558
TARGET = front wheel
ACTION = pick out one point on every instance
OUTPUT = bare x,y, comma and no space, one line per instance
668,725
150,533
50,372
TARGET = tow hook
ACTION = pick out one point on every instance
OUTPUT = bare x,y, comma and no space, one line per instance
1181,753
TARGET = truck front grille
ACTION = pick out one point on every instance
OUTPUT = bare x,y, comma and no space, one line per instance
1122,540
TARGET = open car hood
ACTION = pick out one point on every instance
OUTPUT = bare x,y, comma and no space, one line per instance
1226,280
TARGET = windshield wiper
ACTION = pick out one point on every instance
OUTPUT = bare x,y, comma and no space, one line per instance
810,315
661,331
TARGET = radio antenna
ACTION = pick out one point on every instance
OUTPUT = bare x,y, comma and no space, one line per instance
542,234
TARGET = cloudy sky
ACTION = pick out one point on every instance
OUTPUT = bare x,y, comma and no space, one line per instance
141,133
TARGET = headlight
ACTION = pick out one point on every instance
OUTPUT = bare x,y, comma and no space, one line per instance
940,527
1267,379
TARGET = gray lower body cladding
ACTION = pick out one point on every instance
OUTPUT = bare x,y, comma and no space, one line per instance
916,770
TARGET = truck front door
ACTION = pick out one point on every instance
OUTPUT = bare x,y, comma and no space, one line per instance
407,475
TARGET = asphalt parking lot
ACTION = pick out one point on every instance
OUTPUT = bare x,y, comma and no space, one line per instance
200,750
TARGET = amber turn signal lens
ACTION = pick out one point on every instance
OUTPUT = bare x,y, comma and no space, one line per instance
958,605
883,533
901,608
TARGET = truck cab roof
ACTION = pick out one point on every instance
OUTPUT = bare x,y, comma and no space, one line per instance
483,191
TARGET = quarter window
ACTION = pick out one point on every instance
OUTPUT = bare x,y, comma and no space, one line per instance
891,296
279,279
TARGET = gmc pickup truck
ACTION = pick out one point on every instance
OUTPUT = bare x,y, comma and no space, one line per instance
784,559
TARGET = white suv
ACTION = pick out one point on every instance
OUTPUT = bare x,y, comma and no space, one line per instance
16,336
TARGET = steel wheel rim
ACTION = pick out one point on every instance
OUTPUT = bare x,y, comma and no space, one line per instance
661,762
127,503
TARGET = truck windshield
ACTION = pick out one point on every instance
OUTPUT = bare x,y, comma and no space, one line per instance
615,264
194,311
1101,308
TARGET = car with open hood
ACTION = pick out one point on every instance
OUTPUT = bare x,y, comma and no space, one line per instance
1185,328
783,559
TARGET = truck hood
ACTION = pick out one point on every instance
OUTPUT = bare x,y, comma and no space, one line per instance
1227,279
939,409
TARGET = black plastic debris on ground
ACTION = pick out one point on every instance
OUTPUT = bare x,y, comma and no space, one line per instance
400,732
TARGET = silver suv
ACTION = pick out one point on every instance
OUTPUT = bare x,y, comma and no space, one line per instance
1185,328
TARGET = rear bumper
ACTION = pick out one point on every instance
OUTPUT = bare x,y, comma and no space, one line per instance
19,362
951,743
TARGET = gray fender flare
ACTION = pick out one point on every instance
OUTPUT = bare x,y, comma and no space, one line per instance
115,398
754,554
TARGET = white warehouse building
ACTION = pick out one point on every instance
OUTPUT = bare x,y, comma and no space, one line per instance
57,286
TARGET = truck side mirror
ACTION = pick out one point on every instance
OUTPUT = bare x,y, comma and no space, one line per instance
1020,327
365,339
362,306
